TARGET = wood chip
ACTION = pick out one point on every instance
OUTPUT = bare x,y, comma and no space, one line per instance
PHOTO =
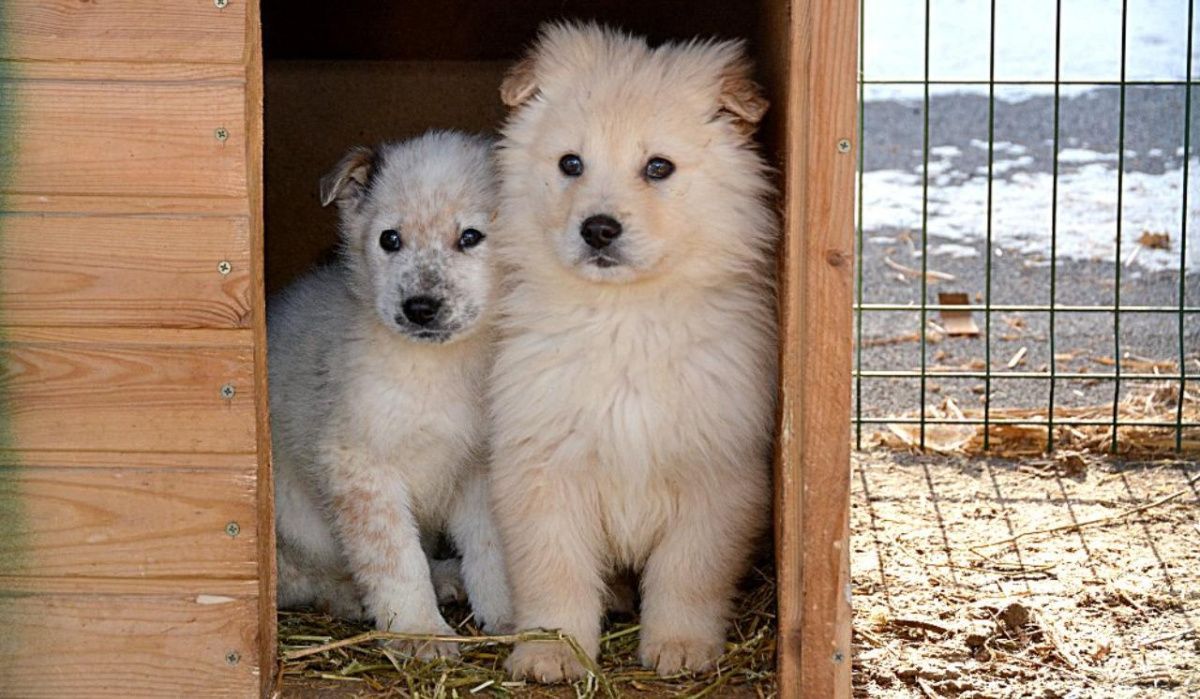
1155,241
930,274
957,323
1018,358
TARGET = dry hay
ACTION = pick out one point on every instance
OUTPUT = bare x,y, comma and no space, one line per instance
1152,403
317,648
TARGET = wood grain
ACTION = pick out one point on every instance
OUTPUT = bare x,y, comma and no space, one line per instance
242,463
265,474
228,73
127,523
125,138
124,271
131,204
123,30
105,390
132,646
813,476
200,588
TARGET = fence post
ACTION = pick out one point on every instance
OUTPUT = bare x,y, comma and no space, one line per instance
813,474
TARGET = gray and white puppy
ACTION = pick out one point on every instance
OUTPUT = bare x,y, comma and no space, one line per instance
377,367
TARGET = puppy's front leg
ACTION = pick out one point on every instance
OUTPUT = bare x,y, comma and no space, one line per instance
375,524
691,576
474,532
551,538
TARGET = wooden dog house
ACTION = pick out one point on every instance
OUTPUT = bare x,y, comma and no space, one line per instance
136,546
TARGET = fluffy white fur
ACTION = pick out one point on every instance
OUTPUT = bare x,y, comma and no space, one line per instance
632,403
377,423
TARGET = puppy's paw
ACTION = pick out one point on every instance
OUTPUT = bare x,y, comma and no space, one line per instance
547,662
671,656
424,649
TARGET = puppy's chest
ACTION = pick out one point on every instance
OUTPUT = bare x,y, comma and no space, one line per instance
644,385
421,418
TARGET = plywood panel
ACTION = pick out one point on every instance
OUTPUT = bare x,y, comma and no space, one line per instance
128,391
123,30
125,138
813,476
97,646
124,271
129,523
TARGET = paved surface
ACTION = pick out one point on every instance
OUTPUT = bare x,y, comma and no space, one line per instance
893,141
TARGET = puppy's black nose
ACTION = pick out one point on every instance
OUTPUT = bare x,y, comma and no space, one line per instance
421,309
599,231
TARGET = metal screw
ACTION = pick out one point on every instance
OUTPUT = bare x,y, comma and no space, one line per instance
233,529
838,656
232,657
228,391
843,145
224,267
220,4
221,133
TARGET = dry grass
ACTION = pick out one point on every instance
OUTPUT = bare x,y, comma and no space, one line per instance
1148,404
317,647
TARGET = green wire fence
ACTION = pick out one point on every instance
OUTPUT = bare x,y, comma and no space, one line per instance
1050,418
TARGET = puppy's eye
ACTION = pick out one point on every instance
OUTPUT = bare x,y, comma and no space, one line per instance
390,241
571,165
470,238
659,168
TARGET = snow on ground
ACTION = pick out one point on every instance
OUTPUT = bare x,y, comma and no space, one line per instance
1156,49
959,41
1022,207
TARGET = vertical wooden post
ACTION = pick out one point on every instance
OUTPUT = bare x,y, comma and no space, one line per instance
813,460
265,478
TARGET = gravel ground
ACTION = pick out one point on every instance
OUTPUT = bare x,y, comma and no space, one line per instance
893,141
944,607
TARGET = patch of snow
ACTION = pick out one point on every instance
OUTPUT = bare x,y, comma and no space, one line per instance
1082,155
960,43
954,250
945,151
1021,212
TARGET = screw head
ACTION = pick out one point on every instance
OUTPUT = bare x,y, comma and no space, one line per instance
220,4
843,145
838,656
232,657
224,267
228,391
221,133
233,529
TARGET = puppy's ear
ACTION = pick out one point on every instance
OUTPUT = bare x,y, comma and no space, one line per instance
520,83
740,96
348,181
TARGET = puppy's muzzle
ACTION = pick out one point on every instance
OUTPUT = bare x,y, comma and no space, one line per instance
421,310
599,231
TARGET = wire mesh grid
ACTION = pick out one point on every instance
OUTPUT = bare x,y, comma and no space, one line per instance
1181,310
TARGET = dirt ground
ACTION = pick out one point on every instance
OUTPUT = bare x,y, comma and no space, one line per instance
947,604
944,607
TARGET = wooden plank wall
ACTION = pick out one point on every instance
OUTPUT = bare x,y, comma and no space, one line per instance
813,461
134,503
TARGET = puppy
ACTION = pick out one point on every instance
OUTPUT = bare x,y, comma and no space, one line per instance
633,392
377,366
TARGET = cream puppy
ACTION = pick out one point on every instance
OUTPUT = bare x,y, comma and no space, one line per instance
377,367
633,391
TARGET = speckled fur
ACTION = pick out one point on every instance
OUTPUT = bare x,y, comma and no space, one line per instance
378,427
633,405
